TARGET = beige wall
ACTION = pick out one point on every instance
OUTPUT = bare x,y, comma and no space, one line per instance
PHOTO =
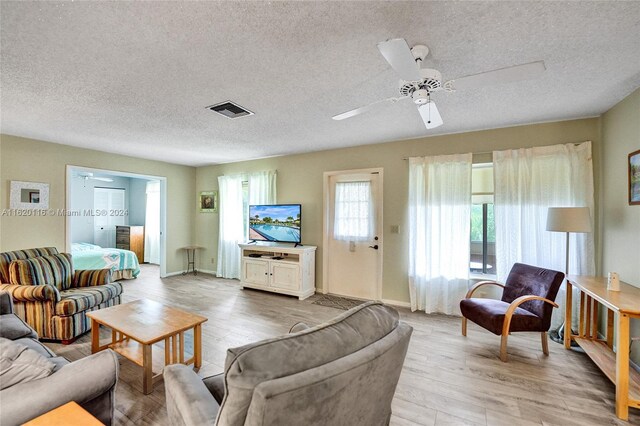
300,181
620,221
36,161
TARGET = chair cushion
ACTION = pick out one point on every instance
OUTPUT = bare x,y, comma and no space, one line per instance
58,362
215,385
19,364
37,346
248,366
80,299
12,327
489,313
55,270
7,257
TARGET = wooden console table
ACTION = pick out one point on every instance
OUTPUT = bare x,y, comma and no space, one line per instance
624,304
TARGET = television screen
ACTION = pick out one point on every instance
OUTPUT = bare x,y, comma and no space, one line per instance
276,222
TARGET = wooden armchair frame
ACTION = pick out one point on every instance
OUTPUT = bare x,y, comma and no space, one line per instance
507,317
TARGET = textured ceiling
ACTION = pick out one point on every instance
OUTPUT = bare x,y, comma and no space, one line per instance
135,77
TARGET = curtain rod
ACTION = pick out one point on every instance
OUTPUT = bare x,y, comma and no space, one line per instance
491,152
473,153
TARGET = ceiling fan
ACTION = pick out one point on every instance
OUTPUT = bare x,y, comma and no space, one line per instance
88,175
419,83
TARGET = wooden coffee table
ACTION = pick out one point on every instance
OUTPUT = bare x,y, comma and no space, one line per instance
137,325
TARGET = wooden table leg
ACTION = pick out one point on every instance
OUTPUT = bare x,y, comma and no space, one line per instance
95,336
567,316
167,352
197,346
147,367
622,368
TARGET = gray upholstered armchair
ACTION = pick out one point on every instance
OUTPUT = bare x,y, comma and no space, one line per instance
90,381
343,372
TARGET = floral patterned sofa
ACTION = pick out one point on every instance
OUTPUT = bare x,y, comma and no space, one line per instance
50,296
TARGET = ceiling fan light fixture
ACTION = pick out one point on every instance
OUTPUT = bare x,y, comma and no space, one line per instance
420,97
88,175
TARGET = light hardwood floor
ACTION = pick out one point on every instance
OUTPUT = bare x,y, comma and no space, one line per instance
447,379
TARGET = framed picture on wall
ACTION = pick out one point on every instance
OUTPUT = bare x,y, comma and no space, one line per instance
208,202
634,178
34,197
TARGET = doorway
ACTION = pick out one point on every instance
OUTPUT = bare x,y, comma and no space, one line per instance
134,199
352,233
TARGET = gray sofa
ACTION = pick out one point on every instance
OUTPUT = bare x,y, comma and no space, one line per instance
343,372
90,381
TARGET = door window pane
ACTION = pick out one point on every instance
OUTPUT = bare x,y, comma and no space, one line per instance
354,217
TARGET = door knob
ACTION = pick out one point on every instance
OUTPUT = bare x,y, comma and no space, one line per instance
374,247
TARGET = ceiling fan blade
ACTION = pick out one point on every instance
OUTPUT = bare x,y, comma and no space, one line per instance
500,76
396,51
365,108
430,115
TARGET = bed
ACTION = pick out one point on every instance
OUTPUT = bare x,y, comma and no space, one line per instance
123,263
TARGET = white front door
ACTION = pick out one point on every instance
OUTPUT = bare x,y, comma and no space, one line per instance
106,204
353,234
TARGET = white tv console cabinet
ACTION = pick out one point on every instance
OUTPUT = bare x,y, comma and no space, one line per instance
279,268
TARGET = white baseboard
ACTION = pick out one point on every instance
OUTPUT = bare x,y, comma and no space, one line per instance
397,303
208,271
173,274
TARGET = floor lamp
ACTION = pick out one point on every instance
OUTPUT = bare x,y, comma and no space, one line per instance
567,219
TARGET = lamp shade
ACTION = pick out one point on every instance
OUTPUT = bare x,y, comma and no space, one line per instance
568,219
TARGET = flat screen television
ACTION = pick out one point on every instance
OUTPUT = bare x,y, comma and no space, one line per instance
275,223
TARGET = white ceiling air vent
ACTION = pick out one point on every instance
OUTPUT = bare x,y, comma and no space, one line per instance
230,109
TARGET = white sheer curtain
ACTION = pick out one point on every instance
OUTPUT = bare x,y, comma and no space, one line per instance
527,183
233,221
262,188
439,231
231,231
354,212
152,223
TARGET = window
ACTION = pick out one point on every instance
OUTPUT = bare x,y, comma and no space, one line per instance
353,211
483,230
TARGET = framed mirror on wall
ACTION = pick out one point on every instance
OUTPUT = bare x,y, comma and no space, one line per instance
29,195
